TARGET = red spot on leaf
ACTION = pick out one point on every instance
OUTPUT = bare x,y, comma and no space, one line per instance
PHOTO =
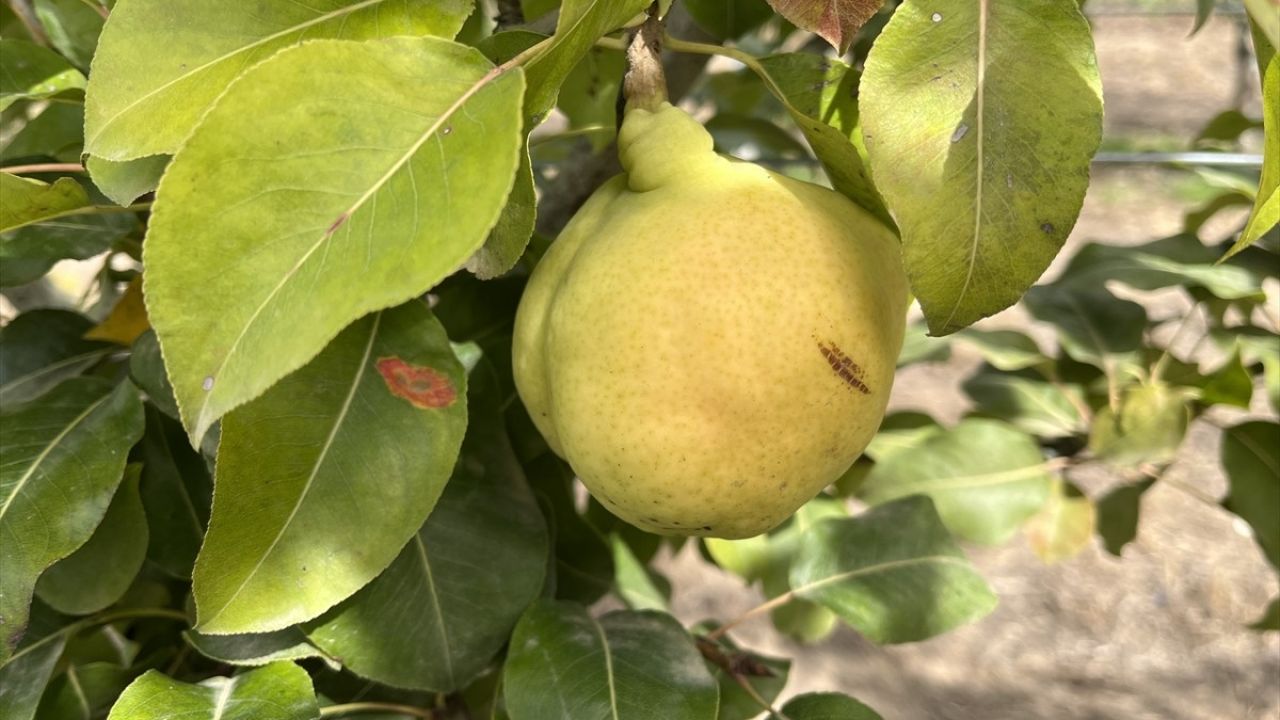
422,386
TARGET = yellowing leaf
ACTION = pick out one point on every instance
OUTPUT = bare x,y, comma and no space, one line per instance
128,319
836,21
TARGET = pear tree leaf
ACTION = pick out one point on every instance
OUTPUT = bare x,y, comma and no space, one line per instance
1093,326
626,665
633,581
836,21
127,319
1230,384
985,477
901,431
257,649
161,63
1147,428
984,177
827,706
101,570
146,368
1251,458
321,481
279,691
176,494
57,133
356,214
731,19
23,676
41,348
1270,619
893,573
1266,26
459,586
730,664
918,346
73,27
583,568
1063,527
1008,350
84,690
1028,402
1117,515
27,200
32,72
64,455
1178,261
589,94
124,181
1266,209
821,95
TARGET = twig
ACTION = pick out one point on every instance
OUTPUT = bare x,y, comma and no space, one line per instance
759,699
645,84
760,609
27,16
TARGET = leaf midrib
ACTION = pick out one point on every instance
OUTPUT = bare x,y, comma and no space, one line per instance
48,449
435,604
969,482
315,470
880,567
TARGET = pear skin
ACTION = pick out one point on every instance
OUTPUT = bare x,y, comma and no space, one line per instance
709,344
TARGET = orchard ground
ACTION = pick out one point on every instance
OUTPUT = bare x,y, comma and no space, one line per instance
1157,635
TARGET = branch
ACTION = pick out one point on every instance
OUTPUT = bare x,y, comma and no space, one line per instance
645,84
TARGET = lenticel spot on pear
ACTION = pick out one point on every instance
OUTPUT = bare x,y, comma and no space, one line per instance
709,344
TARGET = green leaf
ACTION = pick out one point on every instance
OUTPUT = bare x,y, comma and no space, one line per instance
27,201
1118,514
1178,261
1266,209
124,181
41,348
1204,10
1147,429
633,581
901,431
827,706
1251,458
1029,402
84,691
146,368
280,691
583,562
893,573
728,19
322,480
821,95
161,63
510,234
1063,527
730,664
1007,350
359,213
73,27
985,477
1093,326
23,676
101,570
255,649
626,665
32,72
980,121
1270,619
64,455
176,493
56,133
1230,384
458,587
748,137
589,94
836,21
1266,22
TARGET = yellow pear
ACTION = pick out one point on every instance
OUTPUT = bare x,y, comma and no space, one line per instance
709,344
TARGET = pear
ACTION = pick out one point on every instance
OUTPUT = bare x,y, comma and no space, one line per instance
709,344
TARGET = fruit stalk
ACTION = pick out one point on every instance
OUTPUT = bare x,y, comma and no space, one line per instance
645,84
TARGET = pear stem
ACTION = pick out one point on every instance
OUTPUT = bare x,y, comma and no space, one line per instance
645,84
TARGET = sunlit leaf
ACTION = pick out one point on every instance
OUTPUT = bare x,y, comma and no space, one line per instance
827,706
984,176
626,665
918,346
836,21
1093,326
893,573
280,691
27,200
99,572
1181,260
901,431
1063,527
1007,350
1266,209
1148,428
1029,402
255,649
322,480
161,63
64,455
127,319
985,477
124,181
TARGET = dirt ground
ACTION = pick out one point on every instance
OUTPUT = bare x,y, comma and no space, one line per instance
1156,635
